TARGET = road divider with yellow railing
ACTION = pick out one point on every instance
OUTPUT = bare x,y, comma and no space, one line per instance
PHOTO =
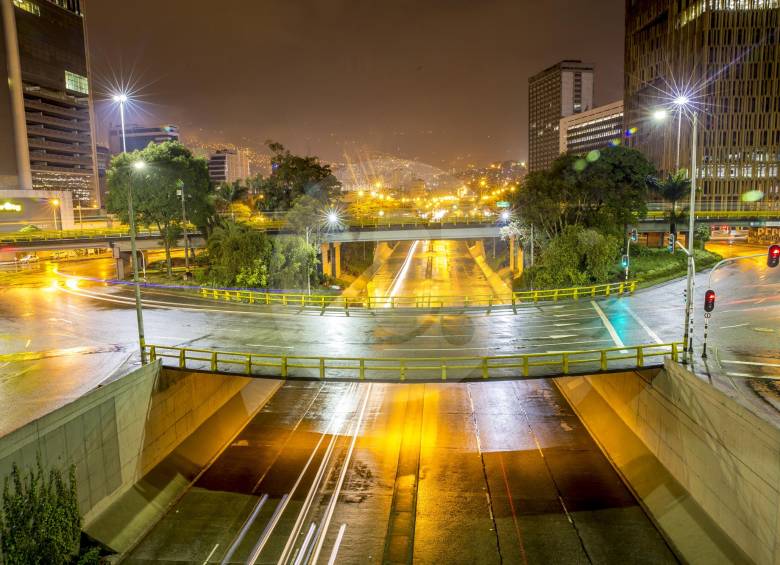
325,301
401,369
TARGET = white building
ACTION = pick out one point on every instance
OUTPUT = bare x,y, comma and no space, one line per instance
593,129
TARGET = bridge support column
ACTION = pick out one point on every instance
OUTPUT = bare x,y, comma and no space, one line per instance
326,262
124,267
336,260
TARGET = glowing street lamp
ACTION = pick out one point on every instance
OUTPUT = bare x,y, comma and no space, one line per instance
54,205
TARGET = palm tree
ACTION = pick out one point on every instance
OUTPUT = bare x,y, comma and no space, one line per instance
673,188
228,193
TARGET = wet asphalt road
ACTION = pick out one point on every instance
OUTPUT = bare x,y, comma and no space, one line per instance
480,473
60,337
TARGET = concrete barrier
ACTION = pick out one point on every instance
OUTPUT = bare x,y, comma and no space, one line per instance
136,434
705,467
382,253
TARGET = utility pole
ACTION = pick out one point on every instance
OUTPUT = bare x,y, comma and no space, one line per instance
184,229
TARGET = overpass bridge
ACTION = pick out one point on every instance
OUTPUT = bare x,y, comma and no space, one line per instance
417,369
391,229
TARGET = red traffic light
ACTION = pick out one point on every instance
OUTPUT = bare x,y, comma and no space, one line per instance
773,256
709,301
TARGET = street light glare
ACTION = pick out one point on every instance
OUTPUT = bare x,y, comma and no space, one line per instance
659,115
139,165
682,100
121,98
333,218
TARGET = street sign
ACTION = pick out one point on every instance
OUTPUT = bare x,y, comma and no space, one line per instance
502,204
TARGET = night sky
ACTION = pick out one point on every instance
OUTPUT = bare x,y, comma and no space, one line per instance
444,82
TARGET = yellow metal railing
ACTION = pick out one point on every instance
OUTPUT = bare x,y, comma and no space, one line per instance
324,301
721,214
414,368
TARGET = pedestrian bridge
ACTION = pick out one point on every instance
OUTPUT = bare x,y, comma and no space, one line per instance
417,369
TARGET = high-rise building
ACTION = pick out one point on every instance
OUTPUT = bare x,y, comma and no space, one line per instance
47,138
228,165
724,55
593,129
139,137
564,89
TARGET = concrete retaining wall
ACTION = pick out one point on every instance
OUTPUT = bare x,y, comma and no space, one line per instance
117,434
382,253
499,286
705,466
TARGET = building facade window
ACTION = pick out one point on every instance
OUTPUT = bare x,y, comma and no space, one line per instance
28,6
76,83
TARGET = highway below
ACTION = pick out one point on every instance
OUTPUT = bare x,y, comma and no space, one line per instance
464,473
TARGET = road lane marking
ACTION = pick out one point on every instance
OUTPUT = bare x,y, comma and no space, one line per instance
247,524
255,555
211,554
607,324
734,326
401,275
340,482
303,551
755,363
271,346
318,478
335,552
642,323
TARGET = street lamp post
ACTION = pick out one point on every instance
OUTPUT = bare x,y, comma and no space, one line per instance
184,229
121,99
138,165
54,205
688,334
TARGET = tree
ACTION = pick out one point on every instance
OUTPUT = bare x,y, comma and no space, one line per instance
672,189
606,190
168,168
238,255
40,522
228,194
292,263
577,256
293,176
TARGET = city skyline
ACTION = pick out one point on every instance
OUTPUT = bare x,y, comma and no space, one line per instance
409,91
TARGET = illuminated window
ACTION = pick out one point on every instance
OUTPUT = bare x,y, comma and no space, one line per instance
76,82
28,6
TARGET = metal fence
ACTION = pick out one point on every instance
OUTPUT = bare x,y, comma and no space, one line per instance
324,301
401,369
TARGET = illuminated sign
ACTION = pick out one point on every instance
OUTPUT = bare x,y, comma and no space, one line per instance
10,207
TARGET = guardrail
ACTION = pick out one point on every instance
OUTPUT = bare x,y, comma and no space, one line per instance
324,301
73,235
523,365
720,214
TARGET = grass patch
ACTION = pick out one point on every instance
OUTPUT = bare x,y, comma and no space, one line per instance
651,266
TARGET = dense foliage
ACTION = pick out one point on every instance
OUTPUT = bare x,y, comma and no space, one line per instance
606,190
293,176
240,256
168,168
40,521
575,257
580,209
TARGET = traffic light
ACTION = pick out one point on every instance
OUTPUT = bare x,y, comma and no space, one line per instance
634,235
773,256
624,261
709,301
672,238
